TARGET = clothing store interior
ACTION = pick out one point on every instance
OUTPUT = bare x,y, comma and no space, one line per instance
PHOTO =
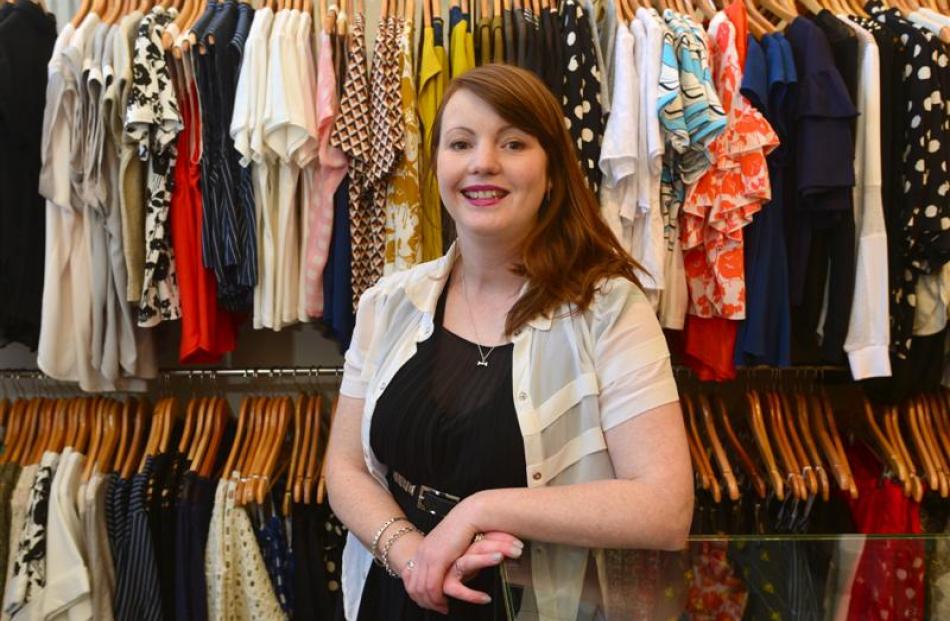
181,260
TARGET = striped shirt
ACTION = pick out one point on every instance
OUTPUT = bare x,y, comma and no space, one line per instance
138,594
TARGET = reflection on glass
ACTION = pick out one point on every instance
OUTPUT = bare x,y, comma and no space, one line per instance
797,577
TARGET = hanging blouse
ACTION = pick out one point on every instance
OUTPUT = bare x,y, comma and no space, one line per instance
924,238
351,134
153,121
725,198
403,199
430,97
23,593
329,174
581,102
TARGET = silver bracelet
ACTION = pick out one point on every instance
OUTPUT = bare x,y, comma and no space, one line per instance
405,530
379,533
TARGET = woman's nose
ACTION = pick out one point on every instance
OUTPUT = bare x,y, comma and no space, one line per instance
484,160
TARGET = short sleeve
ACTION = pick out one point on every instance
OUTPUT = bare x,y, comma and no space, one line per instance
355,379
631,357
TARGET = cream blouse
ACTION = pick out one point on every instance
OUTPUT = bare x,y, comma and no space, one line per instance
575,376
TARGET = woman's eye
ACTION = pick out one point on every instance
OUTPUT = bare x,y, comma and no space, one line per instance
515,145
458,145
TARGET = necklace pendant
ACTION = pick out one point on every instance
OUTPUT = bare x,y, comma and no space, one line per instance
481,363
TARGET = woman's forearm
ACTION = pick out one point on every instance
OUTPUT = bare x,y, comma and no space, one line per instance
616,513
363,505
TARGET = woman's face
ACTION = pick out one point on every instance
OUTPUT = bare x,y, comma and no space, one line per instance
492,176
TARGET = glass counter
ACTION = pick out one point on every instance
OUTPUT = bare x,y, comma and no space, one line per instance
757,577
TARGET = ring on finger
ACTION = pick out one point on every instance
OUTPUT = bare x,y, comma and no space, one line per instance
478,537
410,564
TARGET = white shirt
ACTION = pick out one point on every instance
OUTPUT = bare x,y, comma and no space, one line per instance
68,594
587,372
618,154
869,324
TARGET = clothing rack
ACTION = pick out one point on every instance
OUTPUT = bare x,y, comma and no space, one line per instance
817,373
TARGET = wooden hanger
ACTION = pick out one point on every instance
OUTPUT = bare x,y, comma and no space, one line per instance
294,468
891,422
825,441
11,432
187,429
909,415
25,450
94,443
322,484
263,424
307,447
808,474
939,411
312,472
926,424
110,436
83,418
714,487
838,444
884,446
282,419
751,470
135,446
203,438
804,427
248,450
757,425
220,421
695,446
262,450
124,423
12,435
239,437
709,423
793,469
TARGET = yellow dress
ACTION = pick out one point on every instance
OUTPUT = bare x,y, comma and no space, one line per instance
430,96
461,48
403,195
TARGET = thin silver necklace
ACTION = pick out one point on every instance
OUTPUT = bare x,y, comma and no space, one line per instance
481,354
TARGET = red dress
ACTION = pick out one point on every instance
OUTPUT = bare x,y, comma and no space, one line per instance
207,331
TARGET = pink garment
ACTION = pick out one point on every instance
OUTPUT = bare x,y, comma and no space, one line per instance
325,177
725,198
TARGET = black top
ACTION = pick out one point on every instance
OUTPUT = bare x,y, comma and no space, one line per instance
444,422
27,36
923,241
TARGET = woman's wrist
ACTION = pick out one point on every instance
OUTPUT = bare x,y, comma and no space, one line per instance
403,550
473,511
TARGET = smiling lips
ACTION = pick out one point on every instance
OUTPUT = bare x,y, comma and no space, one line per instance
483,195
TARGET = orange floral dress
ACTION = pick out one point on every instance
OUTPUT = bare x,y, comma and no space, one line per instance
724,199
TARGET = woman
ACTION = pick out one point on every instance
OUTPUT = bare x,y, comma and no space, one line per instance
517,389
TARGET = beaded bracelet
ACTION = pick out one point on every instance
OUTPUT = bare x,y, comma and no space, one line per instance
379,534
405,530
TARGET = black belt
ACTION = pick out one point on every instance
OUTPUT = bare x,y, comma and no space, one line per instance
426,498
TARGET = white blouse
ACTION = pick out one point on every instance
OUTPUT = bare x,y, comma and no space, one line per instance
574,377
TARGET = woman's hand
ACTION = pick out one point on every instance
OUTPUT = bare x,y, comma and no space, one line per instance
434,573
486,552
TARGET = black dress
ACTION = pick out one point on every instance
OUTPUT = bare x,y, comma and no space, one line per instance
452,425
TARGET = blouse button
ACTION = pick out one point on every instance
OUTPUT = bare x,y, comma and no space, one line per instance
523,396
517,332
536,476
382,386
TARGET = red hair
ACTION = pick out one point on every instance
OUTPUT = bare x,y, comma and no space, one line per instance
570,251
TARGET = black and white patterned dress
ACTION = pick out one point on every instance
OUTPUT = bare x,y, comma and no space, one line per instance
583,111
28,576
153,121
924,208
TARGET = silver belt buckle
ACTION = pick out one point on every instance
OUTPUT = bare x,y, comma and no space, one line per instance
425,489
